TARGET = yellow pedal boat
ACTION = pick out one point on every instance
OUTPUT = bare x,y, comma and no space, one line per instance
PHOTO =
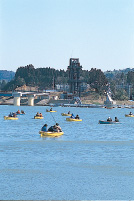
50,111
36,117
71,119
64,114
10,118
129,115
51,134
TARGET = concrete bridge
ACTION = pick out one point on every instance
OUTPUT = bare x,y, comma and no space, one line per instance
31,95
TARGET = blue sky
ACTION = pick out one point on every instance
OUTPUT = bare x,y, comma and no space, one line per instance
46,33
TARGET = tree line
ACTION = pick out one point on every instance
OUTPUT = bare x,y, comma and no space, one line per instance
47,78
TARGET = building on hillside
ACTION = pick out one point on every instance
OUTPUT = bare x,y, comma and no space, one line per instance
74,82
62,87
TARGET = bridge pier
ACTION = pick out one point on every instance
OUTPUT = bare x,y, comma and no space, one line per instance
16,100
31,99
30,96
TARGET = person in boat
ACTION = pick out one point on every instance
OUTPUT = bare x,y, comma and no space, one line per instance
77,117
69,112
72,116
18,112
10,115
51,109
109,119
41,115
22,112
44,128
14,114
57,128
116,119
37,115
51,129
130,113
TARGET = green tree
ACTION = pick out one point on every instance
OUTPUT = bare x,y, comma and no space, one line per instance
121,94
20,81
130,77
2,84
97,80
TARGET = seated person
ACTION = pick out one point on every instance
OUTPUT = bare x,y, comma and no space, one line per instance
116,120
77,117
41,115
37,115
130,113
10,115
57,128
44,128
51,109
22,112
18,112
69,112
14,115
72,116
109,119
51,129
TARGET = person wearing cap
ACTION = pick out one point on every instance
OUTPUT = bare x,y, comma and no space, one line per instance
44,128
109,119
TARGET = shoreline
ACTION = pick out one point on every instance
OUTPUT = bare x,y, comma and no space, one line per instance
77,105
85,102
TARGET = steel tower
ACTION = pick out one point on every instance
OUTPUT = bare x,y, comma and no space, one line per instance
74,69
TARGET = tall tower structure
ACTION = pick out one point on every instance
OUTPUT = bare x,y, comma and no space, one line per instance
74,69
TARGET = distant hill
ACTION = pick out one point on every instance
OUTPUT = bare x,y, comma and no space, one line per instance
6,75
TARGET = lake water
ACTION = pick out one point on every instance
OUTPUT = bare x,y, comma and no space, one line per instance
90,161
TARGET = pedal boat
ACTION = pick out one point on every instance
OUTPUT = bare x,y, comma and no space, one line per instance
64,114
50,134
36,117
129,115
10,118
108,122
71,119
50,111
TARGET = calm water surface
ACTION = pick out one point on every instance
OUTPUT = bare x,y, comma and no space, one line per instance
90,161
